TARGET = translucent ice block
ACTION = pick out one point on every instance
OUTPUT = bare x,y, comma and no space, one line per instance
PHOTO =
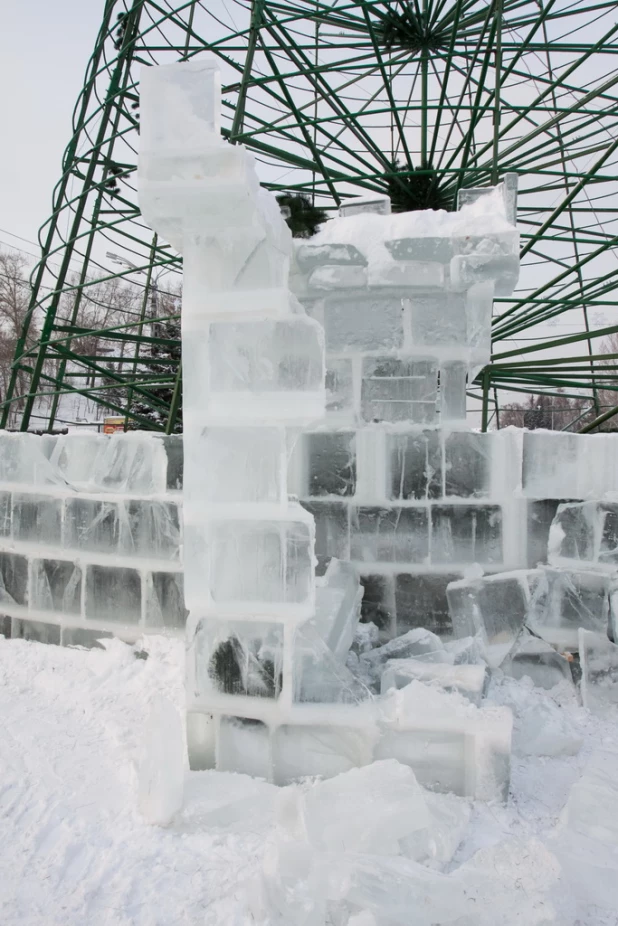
468,462
599,663
438,320
565,600
113,594
337,277
389,535
339,386
399,390
229,464
150,529
165,606
92,525
415,466
269,370
495,606
243,746
421,602
466,534
435,844
131,463
332,531
307,750
37,518
182,105
490,258
453,378
413,274
75,455
251,564
585,532
13,578
338,598
318,676
309,256
236,658
418,643
56,586
550,465
329,460
161,771
371,321
465,680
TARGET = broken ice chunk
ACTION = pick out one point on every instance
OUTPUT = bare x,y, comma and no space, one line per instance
393,807
399,390
236,658
332,531
495,606
318,676
565,600
389,535
161,773
599,663
466,534
416,644
435,844
491,258
468,681
363,322
228,464
243,746
56,586
302,751
415,465
337,607
537,660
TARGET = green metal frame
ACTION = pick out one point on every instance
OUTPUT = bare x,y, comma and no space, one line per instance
335,99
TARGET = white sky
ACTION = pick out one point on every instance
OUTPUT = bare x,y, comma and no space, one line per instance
44,49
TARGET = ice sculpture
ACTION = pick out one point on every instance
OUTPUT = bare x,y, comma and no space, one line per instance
270,688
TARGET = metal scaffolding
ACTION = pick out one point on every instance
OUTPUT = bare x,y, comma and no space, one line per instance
417,99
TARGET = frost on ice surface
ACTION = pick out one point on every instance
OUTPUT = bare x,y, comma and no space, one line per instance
162,767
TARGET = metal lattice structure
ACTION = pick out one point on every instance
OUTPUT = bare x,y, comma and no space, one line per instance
417,99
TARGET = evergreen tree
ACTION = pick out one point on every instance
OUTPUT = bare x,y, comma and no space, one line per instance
302,216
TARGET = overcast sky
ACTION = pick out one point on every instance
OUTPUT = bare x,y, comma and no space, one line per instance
44,48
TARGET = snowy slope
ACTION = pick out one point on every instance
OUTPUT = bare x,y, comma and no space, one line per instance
74,851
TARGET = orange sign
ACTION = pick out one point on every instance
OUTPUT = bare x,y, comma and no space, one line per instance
112,425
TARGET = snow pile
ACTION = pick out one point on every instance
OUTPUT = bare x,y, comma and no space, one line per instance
370,847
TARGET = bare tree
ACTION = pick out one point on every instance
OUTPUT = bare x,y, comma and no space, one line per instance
14,299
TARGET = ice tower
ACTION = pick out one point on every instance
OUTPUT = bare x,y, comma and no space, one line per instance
406,306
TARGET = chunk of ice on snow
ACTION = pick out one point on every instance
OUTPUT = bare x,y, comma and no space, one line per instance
465,680
565,600
162,766
436,844
599,663
538,661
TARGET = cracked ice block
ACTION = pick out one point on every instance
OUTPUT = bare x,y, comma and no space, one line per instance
565,600
255,563
24,458
165,604
467,464
236,658
318,676
416,644
369,321
550,464
494,606
572,532
415,466
151,529
453,378
399,390
13,578
339,386
271,370
131,463
331,463
438,320
37,518
389,535
421,602
243,746
113,594
466,534
537,660
91,525
6,503
599,664
378,603
75,455
309,256
332,531
540,515
301,751
467,681
56,586
227,464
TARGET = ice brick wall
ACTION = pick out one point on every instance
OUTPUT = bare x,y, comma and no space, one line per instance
90,536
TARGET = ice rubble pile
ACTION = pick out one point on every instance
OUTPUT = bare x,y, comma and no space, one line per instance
90,536
269,687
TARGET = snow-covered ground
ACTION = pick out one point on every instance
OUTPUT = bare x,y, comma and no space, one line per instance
74,850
